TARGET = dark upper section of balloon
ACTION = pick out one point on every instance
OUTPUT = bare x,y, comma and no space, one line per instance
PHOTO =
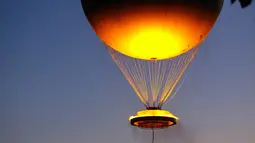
91,7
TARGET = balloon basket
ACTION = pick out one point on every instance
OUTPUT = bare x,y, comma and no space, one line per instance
153,118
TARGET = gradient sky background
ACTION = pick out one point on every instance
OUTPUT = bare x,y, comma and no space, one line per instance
59,84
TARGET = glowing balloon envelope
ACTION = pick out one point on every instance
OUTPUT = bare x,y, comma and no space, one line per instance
152,29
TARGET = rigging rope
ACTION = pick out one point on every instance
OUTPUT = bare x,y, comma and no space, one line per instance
152,135
153,80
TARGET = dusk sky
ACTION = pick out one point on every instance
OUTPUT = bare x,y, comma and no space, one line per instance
59,84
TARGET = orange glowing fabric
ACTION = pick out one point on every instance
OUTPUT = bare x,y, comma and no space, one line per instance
153,32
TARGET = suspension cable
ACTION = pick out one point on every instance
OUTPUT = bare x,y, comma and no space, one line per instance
153,136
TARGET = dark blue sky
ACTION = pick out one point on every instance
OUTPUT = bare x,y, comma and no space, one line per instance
59,84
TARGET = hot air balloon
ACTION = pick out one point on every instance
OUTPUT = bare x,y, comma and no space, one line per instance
152,42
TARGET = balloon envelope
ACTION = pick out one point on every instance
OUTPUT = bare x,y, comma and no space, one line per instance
152,29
